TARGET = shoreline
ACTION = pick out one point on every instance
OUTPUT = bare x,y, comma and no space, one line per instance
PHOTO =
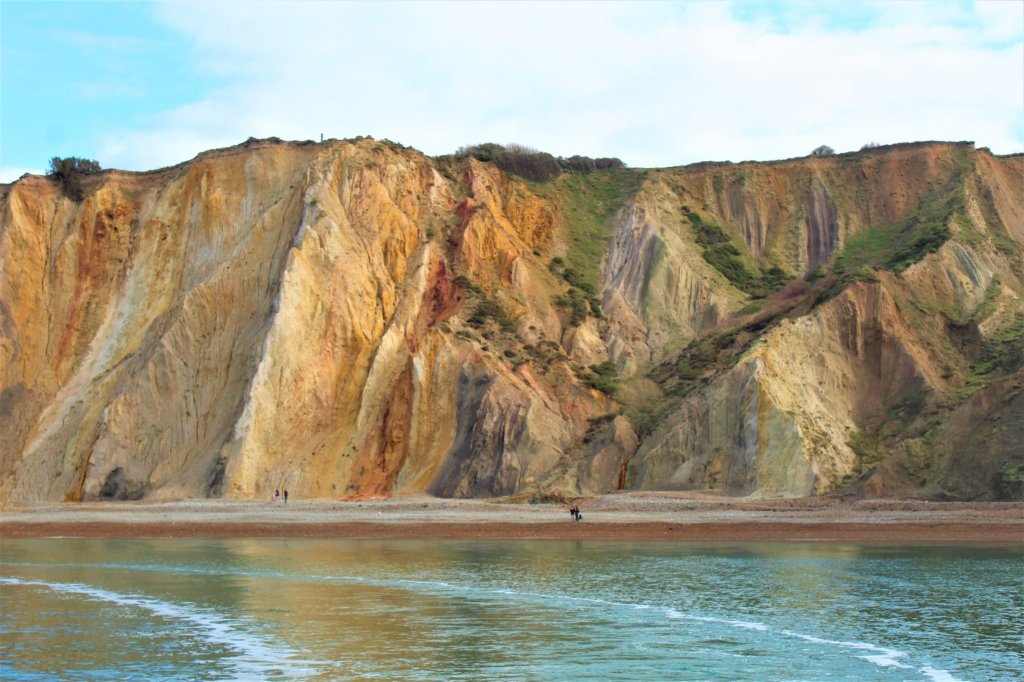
632,517
1002,534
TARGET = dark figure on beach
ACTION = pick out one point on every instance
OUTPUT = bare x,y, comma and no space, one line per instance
286,497
575,513
277,495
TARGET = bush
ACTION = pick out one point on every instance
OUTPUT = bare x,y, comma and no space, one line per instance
687,371
585,164
69,171
481,152
489,310
465,283
581,303
529,164
823,150
815,275
532,164
604,377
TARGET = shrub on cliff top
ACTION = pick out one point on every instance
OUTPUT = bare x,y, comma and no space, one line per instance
517,159
529,164
532,164
481,152
69,171
585,164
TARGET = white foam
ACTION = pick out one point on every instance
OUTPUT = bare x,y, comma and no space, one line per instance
939,675
885,661
863,646
256,658
746,625
880,656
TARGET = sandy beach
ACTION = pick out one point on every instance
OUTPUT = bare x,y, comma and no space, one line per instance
623,516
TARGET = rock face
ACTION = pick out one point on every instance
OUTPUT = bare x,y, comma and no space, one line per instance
354,318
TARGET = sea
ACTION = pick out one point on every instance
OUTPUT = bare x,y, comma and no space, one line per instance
318,609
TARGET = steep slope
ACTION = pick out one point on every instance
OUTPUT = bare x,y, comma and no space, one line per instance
269,316
354,318
866,364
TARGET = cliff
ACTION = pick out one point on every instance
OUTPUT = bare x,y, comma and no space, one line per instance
355,318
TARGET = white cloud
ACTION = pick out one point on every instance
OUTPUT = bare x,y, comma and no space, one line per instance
12,173
654,84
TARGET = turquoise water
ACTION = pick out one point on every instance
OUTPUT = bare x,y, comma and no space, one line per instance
346,609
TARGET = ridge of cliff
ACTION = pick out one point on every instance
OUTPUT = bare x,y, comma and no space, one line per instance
355,318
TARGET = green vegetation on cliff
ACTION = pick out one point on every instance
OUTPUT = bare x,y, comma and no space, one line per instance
588,203
899,245
69,172
1002,354
722,254
532,164
604,377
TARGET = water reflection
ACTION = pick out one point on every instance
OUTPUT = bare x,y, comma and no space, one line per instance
206,609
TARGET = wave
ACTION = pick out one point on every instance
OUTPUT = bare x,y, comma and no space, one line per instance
255,658
880,656
938,675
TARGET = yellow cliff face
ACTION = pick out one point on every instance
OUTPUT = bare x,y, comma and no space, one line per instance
268,317
156,295
354,318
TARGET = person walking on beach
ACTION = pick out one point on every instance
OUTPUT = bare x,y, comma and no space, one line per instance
277,495
286,496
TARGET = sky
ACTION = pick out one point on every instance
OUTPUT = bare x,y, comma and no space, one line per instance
141,85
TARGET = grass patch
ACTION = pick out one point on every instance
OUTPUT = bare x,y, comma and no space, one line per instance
487,310
1001,355
722,254
465,283
1010,481
988,304
588,203
604,377
899,245
581,297
868,449
701,360
1002,240
1013,474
